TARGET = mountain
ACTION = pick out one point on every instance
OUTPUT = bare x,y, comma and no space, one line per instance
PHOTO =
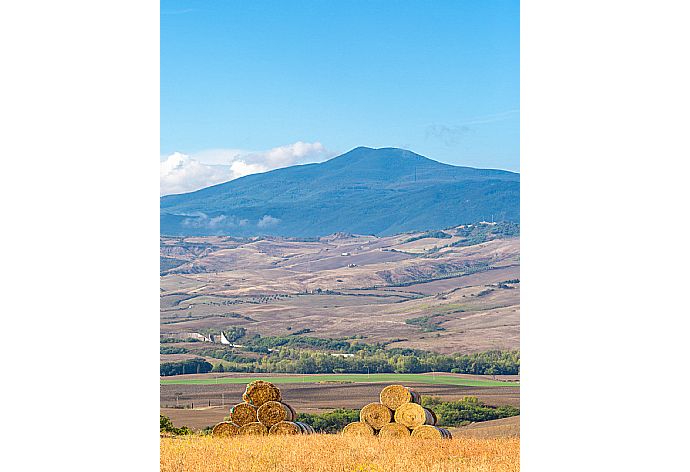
364,191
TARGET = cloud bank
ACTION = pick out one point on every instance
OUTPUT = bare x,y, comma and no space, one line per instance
180,173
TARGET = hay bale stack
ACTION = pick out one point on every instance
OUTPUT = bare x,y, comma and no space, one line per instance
394,396
261,413
376,415
243,413
428,431
398,413
273,412
358,428
394,430
259,392
225,428
253,429
413,415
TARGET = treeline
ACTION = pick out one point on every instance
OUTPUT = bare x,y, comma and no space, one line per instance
429,234
331,422
310,355
173,350
263,345
456,413
480,233
189,366
296,360
467,410
178,340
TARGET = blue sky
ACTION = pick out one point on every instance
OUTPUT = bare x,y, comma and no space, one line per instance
245,81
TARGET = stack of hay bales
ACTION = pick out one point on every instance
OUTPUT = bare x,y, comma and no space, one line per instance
262,412
397,414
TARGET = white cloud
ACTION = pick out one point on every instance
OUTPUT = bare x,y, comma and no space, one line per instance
181,173
267,221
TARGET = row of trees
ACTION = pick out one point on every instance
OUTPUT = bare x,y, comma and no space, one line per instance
295,360
189,366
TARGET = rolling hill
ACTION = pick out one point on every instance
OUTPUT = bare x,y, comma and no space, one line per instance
364,191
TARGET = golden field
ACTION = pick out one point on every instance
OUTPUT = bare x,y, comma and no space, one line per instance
332,452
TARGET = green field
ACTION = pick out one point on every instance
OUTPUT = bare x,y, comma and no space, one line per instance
360,378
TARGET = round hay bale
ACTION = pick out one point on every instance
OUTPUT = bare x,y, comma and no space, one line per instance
433,414
413,415
272,412
428,431
393,396
226,428
306,428
286,428
259,392
243,413
376,415
254,429
394,430
358,428
294,413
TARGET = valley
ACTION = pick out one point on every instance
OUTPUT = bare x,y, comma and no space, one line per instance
404,291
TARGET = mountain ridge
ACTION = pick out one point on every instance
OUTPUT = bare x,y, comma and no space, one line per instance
365,191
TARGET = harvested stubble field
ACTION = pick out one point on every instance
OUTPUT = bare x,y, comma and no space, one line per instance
466,381
330,452
311,397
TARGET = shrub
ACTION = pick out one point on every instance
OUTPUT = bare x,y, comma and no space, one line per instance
331,422
168,427
467,410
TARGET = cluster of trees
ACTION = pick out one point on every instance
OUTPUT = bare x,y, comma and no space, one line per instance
256,343
477,234
234,333
226,354
178,340
426,323
331,422
168,427
189,366
367,358
467,410
173,350
429,234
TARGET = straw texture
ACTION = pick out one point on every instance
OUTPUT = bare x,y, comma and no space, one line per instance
226,428
259,392
243,413
394,430
254,429
413,415
431,432
394,396
375,415
273,412
358,428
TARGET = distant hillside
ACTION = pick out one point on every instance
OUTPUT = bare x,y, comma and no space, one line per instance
364,191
